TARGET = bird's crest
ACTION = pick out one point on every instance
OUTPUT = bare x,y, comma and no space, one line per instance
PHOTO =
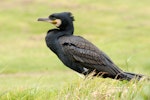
71,16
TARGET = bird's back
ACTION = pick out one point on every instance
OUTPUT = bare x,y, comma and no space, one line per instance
85,54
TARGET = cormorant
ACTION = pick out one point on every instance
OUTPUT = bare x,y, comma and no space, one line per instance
78,53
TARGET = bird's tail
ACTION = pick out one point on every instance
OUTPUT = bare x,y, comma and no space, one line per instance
129,76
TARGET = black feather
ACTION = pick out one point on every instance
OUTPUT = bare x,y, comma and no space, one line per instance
79,54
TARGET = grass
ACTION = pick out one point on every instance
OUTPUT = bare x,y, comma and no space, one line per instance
28,70
106,89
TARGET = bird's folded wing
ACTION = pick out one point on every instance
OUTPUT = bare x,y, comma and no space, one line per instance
86,54
82,51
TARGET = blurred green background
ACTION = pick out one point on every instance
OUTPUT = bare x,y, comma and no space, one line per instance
119,28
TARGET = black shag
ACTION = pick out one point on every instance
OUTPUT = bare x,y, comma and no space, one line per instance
78,53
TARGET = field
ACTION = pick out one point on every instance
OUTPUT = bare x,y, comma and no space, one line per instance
30,71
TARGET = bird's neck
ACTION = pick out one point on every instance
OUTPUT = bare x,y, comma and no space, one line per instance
52,39
68,30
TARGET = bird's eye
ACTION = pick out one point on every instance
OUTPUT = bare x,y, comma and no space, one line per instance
52,17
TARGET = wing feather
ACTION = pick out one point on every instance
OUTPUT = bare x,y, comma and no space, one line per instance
86,54
81,50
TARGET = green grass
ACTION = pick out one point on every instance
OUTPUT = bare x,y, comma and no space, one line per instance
28,70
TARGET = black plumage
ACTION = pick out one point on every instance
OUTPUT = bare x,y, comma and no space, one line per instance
78,53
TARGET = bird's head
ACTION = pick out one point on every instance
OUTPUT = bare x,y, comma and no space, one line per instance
60,20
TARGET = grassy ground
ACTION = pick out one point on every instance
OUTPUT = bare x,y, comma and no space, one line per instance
28,70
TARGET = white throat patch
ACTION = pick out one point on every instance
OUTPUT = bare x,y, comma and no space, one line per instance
58,22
